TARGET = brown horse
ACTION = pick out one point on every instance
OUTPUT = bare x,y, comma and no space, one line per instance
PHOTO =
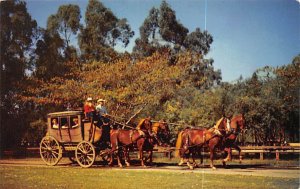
237,124
125,140
160,135
161,131
191,141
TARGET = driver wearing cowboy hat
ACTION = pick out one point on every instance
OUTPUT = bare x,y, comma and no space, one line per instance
100,108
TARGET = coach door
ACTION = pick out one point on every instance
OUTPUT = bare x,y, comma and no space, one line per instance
64,124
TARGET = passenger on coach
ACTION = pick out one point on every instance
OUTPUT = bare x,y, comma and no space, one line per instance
54,124
89,108
76,123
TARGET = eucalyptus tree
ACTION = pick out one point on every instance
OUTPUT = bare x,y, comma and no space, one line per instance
198,41
102,32
49,59
148,42
18,31
170,28
161,29
66,23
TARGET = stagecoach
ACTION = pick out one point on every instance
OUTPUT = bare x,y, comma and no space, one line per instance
69,134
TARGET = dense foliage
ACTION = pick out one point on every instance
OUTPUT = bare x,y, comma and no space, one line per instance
166,75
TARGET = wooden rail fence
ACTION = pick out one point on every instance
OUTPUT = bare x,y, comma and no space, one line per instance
292,148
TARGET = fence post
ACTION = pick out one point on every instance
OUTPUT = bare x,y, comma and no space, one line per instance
170,154
261,156
277,155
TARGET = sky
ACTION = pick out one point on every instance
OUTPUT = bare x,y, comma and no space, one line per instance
248,34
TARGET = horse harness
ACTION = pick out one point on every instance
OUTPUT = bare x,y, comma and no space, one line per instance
141,133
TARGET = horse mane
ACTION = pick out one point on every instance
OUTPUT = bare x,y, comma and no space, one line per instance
155,127
140,123
219,122
234,120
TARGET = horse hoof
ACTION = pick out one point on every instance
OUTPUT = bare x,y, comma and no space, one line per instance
214,168
120,165
191,167
224,163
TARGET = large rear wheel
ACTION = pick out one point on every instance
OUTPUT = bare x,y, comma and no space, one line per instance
85,154
50,150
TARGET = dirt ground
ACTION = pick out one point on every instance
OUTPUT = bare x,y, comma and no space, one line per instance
242,169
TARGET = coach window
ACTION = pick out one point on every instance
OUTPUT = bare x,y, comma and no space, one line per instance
54,123
74,121
64,122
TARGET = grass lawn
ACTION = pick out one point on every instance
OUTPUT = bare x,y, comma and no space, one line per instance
76,177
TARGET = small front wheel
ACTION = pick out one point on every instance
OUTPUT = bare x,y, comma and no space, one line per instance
85,154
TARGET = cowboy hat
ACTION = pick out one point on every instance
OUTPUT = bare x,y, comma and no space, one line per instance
89,99
101,100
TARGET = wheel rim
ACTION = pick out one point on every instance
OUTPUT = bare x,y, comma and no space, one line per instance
85,154
50,150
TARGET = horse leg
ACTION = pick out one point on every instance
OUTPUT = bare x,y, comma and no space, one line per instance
197,151
228,158
150,157
188,160
119,158
140,145
226,154
211,155
182,158
194,158
112,151
181,161
239,150
127,158
201,159
142,157
110,163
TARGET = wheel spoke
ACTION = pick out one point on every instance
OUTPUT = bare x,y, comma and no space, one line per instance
91,159
43,148
54,155
81,158
81,148
45,144
47,156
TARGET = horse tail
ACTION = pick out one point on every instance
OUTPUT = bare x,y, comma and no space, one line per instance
178,144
